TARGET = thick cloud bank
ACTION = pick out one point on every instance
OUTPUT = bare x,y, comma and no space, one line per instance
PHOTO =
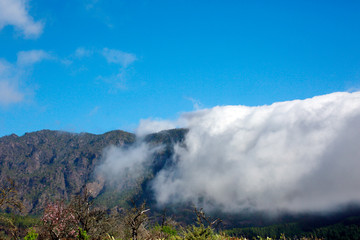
301,155
119,162
126,163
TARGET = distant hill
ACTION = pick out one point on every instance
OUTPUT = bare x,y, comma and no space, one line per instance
56,165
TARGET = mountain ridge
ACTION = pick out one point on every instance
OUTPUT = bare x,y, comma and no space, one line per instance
49,164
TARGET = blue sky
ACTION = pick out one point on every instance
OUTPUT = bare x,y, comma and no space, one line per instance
97,65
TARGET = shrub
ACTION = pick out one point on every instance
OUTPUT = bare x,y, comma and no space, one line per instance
32,235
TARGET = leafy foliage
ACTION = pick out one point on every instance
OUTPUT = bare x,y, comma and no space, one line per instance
83,235
348,229
32,235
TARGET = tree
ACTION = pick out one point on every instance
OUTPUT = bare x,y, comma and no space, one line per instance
8,196
9,199
135,218
59,221
94,222
205,228
202,219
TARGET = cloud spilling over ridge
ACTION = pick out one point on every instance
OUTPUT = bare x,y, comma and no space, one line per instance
300,155
14,12
147,126
125,162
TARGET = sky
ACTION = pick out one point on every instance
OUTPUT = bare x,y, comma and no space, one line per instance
96,65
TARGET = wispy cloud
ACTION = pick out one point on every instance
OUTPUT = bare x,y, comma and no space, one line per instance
119,57
89,4
9,93
15,13
79,54
12,75
95,7
94,111
197,105
123,60
82,52
116,80
28,58
9,89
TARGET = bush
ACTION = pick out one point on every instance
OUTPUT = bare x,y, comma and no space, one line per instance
83,235
32,235
199,233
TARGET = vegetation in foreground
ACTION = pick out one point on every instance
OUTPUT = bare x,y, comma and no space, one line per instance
79,219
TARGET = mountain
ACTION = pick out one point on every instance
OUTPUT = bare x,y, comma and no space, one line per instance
56,165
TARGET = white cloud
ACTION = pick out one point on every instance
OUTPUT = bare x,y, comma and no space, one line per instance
15,13
9,93
299,155
117,80
147,126
123,60
83,52
94,111
121,163
27,58
89,4
5,68
118,57
12,76
79,54
197,105
9,90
